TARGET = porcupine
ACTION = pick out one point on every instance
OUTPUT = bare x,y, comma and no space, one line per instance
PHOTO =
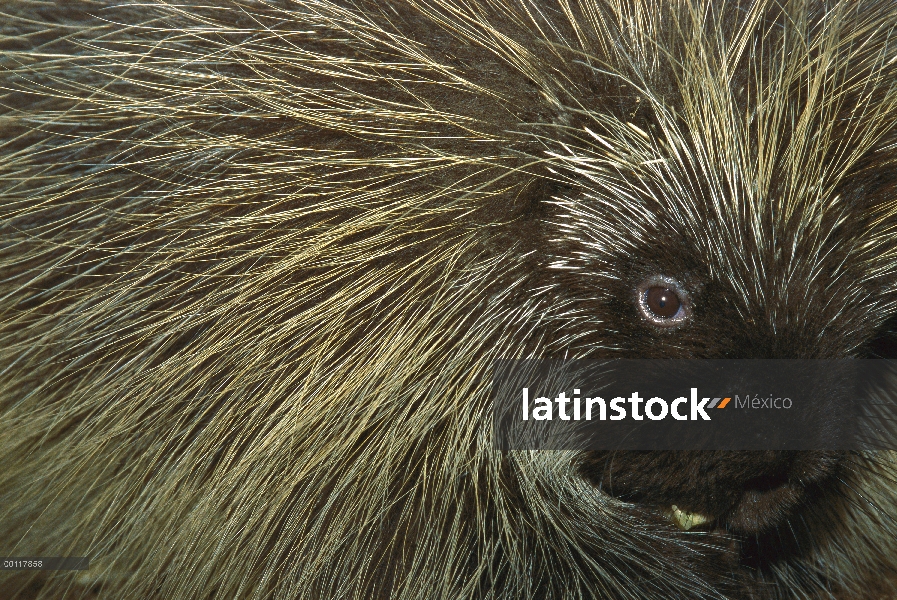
259,257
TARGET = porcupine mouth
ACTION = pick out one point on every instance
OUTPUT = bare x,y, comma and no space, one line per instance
695,491
758,509
768,499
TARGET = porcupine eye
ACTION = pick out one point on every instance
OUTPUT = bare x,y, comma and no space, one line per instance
663,301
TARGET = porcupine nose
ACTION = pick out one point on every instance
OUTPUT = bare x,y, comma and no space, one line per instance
770,484
773,485
745,491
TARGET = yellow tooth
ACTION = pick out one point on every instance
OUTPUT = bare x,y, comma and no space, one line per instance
686,520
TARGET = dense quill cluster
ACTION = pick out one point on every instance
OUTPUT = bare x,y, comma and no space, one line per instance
257,258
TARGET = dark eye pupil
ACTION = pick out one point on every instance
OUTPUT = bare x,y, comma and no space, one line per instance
662,301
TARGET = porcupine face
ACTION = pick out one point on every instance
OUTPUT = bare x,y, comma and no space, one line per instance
701,223
687,272
263,254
